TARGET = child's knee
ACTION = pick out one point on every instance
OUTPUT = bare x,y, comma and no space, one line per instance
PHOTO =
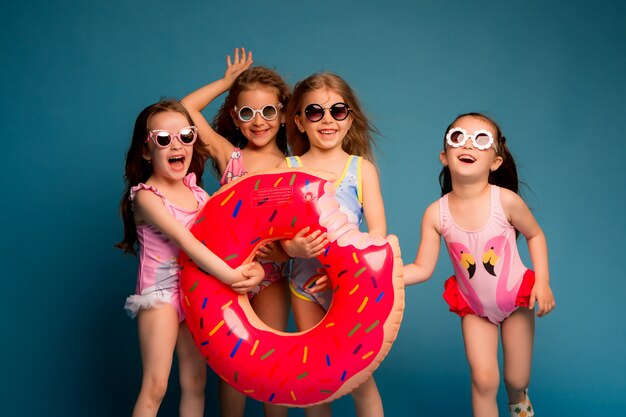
193,381
486,381
516,383
155,388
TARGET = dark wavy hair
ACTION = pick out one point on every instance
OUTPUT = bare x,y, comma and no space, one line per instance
138,170
251,79
505,176
360,138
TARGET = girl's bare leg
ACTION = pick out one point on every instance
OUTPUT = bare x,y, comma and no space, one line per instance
307,314
518,333
481,349
158,331
272,307
192,369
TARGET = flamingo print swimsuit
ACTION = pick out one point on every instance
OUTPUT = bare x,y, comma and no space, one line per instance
490,279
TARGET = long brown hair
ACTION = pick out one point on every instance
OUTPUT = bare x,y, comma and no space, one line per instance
138,170
505,176
360,138
250,79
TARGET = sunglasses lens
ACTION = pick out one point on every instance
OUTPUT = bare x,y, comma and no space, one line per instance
269,112
187,136
163,139
314,112
246,114
482,139
339,111
457,137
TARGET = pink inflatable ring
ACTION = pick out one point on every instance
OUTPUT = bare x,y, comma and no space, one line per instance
292,369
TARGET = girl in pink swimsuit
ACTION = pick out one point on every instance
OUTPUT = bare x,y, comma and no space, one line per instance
159,205
250,126
479,216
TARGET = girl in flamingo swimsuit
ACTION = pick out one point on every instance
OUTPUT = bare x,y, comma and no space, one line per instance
479,216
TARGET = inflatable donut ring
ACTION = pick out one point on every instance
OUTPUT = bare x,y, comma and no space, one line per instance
292,369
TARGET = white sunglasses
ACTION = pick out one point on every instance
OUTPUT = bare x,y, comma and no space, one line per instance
481,139
268,112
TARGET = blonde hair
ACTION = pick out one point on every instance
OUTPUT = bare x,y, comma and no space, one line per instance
360,138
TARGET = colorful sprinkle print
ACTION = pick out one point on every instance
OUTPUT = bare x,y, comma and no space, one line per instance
290,368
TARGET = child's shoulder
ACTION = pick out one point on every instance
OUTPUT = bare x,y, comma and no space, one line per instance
145,198
433,208
508,197
511,201
145,194
432,215
367,166
141,190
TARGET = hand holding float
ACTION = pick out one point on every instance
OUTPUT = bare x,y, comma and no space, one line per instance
293,369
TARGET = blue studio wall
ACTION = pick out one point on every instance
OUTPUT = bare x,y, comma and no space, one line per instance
75,74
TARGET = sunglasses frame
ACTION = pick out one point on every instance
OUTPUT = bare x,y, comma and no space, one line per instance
467,136
330,109
238,110
152,134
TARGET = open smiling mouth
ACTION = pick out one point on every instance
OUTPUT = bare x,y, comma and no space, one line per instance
467,159
176,161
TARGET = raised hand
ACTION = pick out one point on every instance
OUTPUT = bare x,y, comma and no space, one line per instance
239,64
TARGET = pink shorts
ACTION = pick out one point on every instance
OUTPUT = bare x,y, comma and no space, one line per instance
458,305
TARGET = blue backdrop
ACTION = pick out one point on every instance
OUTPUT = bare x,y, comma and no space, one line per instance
75,74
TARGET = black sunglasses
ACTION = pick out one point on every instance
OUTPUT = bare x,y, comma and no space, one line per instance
338,111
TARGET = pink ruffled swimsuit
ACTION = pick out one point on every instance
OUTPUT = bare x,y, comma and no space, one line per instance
157,276
273,270
488,270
